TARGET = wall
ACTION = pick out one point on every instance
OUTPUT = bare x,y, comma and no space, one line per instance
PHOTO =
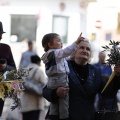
44,11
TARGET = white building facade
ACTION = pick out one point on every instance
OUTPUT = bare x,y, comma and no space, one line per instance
35,18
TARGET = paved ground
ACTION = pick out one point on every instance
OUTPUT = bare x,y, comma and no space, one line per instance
15,115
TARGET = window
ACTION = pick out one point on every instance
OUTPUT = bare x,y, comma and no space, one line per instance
23,26
108,36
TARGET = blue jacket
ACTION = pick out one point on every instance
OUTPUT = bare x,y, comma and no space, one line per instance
109,103
81,98
105,69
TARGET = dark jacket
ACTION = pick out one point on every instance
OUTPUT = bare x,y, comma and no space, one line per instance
5,53
102,102
81,98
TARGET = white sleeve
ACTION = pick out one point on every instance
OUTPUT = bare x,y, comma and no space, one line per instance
62,53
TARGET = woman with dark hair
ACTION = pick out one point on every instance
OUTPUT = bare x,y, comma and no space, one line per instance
33,104
85,82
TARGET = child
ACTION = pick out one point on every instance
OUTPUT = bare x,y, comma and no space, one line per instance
57,68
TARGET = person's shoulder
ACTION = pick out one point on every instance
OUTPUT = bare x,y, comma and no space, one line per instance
69,61
93,66
40,71
96,64
108,66
36,68
25,52
4,45
95,69
50,54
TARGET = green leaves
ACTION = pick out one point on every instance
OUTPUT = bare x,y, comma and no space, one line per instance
114,43
114,52
11,85
16,102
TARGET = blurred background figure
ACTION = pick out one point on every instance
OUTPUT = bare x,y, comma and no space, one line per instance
33,105
6,61
25,59
106,71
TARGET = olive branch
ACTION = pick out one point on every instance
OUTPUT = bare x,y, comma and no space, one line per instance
11,83
113,58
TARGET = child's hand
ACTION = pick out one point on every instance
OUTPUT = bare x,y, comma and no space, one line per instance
80,38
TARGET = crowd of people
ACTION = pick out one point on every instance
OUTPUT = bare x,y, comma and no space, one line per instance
74,84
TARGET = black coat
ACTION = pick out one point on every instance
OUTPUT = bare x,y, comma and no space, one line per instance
5,53
81,97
